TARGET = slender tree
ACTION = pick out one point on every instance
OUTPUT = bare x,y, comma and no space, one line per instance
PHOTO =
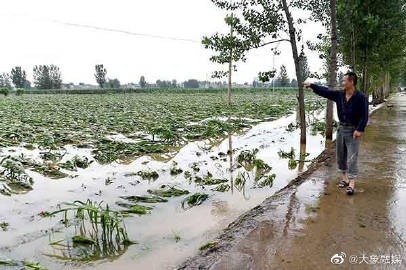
229,47
47,77
18,77
5,80
260,23
325,12
142,82
55,77
283,76
296,59
100,75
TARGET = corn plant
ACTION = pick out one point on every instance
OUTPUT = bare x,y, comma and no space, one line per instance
97,227
247,157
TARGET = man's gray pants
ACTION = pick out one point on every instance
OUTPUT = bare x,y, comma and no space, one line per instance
347,151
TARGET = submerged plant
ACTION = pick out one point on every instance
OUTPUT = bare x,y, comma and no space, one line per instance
240,180
209,180
247,157
222,188
195,166
175,170
267,180
29,264
168,191
52,156
292,164
148,175
96,226
290,155
320,127
4,225
165,133
176,236
14,173
80,239
188,175
51,171
261,168
291,127
108,150
76,162
144,199
33,265
134,208
195,199
8,262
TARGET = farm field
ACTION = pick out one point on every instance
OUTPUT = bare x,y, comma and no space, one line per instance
165,171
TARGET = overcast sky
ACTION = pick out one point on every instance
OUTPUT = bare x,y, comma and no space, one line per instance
44,32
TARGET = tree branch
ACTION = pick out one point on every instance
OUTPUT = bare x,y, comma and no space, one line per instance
270,42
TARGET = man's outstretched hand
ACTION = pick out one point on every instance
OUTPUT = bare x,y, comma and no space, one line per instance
356,134
306,84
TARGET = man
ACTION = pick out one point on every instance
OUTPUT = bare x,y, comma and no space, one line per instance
352,109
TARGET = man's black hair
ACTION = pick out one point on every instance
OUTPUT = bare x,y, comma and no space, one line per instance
353,77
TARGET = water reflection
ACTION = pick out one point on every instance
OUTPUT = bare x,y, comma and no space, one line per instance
302,157
230,156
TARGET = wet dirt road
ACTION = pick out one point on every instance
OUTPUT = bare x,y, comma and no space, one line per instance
305,225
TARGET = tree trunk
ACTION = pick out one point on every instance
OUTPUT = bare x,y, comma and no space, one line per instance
365,78
353,48
292,35
374,97
387,85
365,69
230,64
230,67
302,157
332,82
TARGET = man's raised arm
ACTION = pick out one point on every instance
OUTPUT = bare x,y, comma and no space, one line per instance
323,91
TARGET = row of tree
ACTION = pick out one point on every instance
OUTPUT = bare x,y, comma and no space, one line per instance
367,37
103,81
45,77
17,77
49,77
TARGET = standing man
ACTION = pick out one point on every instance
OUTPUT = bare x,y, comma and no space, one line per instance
352,109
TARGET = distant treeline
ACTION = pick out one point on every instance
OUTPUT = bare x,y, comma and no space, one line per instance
152,90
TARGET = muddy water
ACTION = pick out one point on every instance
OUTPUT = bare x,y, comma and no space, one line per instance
316,220
28,235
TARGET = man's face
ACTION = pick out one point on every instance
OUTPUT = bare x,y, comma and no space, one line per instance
347,83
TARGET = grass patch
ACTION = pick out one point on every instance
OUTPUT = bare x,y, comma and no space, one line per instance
208,245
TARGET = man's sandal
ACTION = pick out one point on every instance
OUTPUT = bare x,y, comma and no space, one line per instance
342,184
350,190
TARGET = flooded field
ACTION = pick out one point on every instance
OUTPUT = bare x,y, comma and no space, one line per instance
316,219
164,202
